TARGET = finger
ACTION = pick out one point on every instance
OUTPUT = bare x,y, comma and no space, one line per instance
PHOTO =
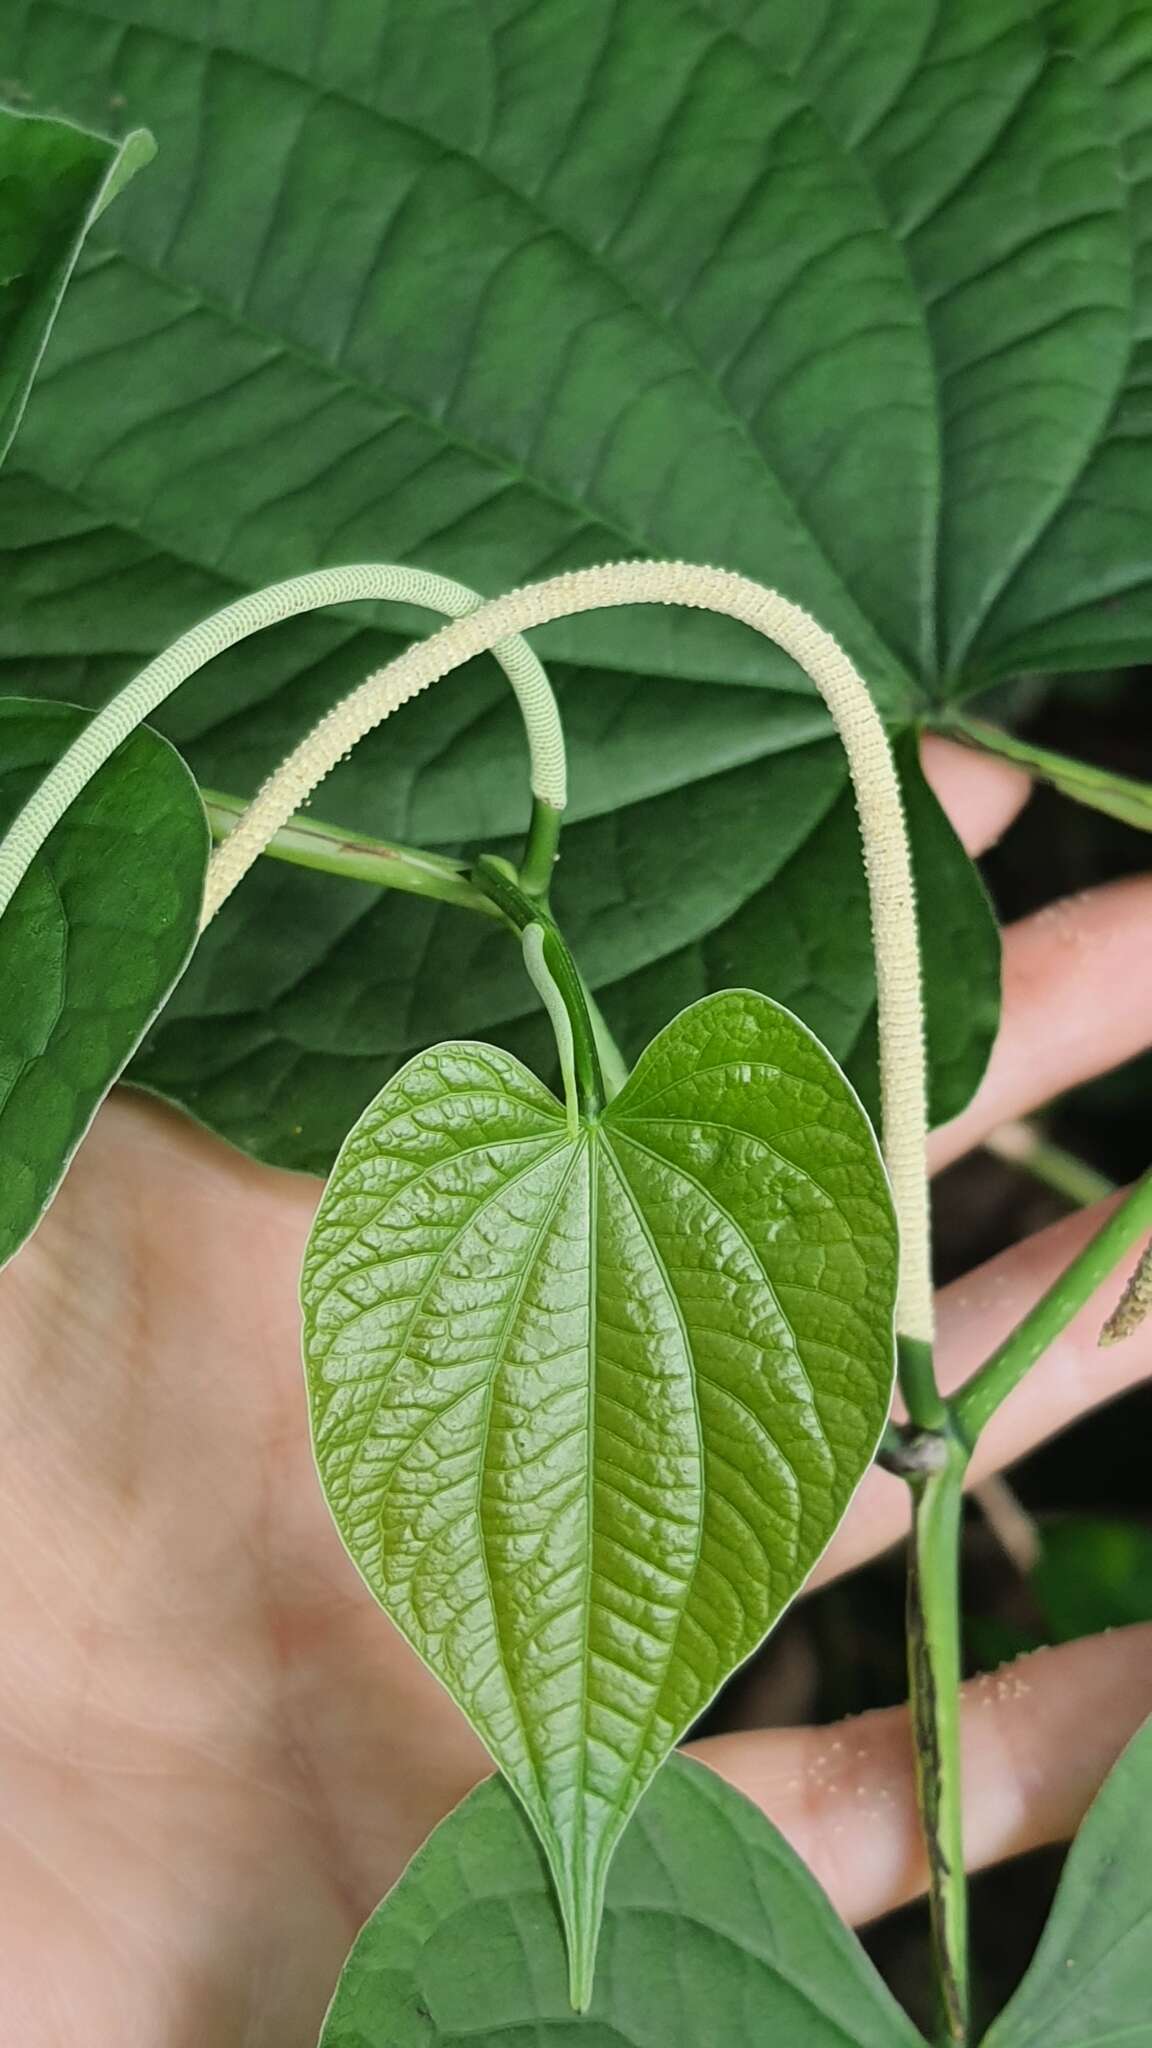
1077,1001
980,793
1037,1740
1073,1376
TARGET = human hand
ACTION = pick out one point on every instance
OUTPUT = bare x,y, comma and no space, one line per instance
216,1753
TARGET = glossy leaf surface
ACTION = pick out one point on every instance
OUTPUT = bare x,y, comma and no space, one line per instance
855,299
91,943
54,180
713,1932
588,1409
1088,1986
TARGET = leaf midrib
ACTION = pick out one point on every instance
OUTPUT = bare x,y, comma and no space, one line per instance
605,1136
580,1151
929,611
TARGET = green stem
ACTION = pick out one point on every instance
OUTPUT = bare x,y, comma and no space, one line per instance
927,1410
497,880
332,850
613,1064
1118,796
979,1399
540,851
934,1683
1021,1144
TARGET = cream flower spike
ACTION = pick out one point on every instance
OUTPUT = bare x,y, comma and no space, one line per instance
874,780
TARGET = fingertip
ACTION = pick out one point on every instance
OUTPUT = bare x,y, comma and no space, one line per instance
980,793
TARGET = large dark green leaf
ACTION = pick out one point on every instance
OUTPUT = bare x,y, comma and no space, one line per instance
713,1932
54,180
90,944
1082,594
587,1408
848,298
1088,1986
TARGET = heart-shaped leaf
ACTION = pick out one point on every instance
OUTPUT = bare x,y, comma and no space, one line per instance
54,181
1088,1985
587,1410
714,1931
91,943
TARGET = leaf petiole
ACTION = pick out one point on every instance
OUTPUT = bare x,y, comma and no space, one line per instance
977,1401
494,877
1118,796
333,850
534,939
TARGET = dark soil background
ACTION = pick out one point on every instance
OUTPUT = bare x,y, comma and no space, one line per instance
841,1652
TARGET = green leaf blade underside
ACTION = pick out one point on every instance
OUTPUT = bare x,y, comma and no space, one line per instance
713,1931
54,181
587,1411
90,945
1087,1986
732,294
1082,597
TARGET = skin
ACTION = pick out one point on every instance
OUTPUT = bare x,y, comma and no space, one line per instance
215,1755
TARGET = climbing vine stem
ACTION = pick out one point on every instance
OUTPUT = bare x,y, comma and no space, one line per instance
933,1644
1129,1222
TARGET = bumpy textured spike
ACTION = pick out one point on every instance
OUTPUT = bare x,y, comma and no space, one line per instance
1134,1304
386,582
903,1066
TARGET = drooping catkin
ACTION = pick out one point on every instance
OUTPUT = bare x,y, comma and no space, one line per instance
903,1067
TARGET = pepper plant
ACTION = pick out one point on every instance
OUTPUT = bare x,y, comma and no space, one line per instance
594,1368
593,1379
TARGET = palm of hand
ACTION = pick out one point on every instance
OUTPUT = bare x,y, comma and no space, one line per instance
216,1753
219,1754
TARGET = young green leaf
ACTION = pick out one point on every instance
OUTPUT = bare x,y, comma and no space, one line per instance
90,945
1088,1986
587,1409
714,1932
54,181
